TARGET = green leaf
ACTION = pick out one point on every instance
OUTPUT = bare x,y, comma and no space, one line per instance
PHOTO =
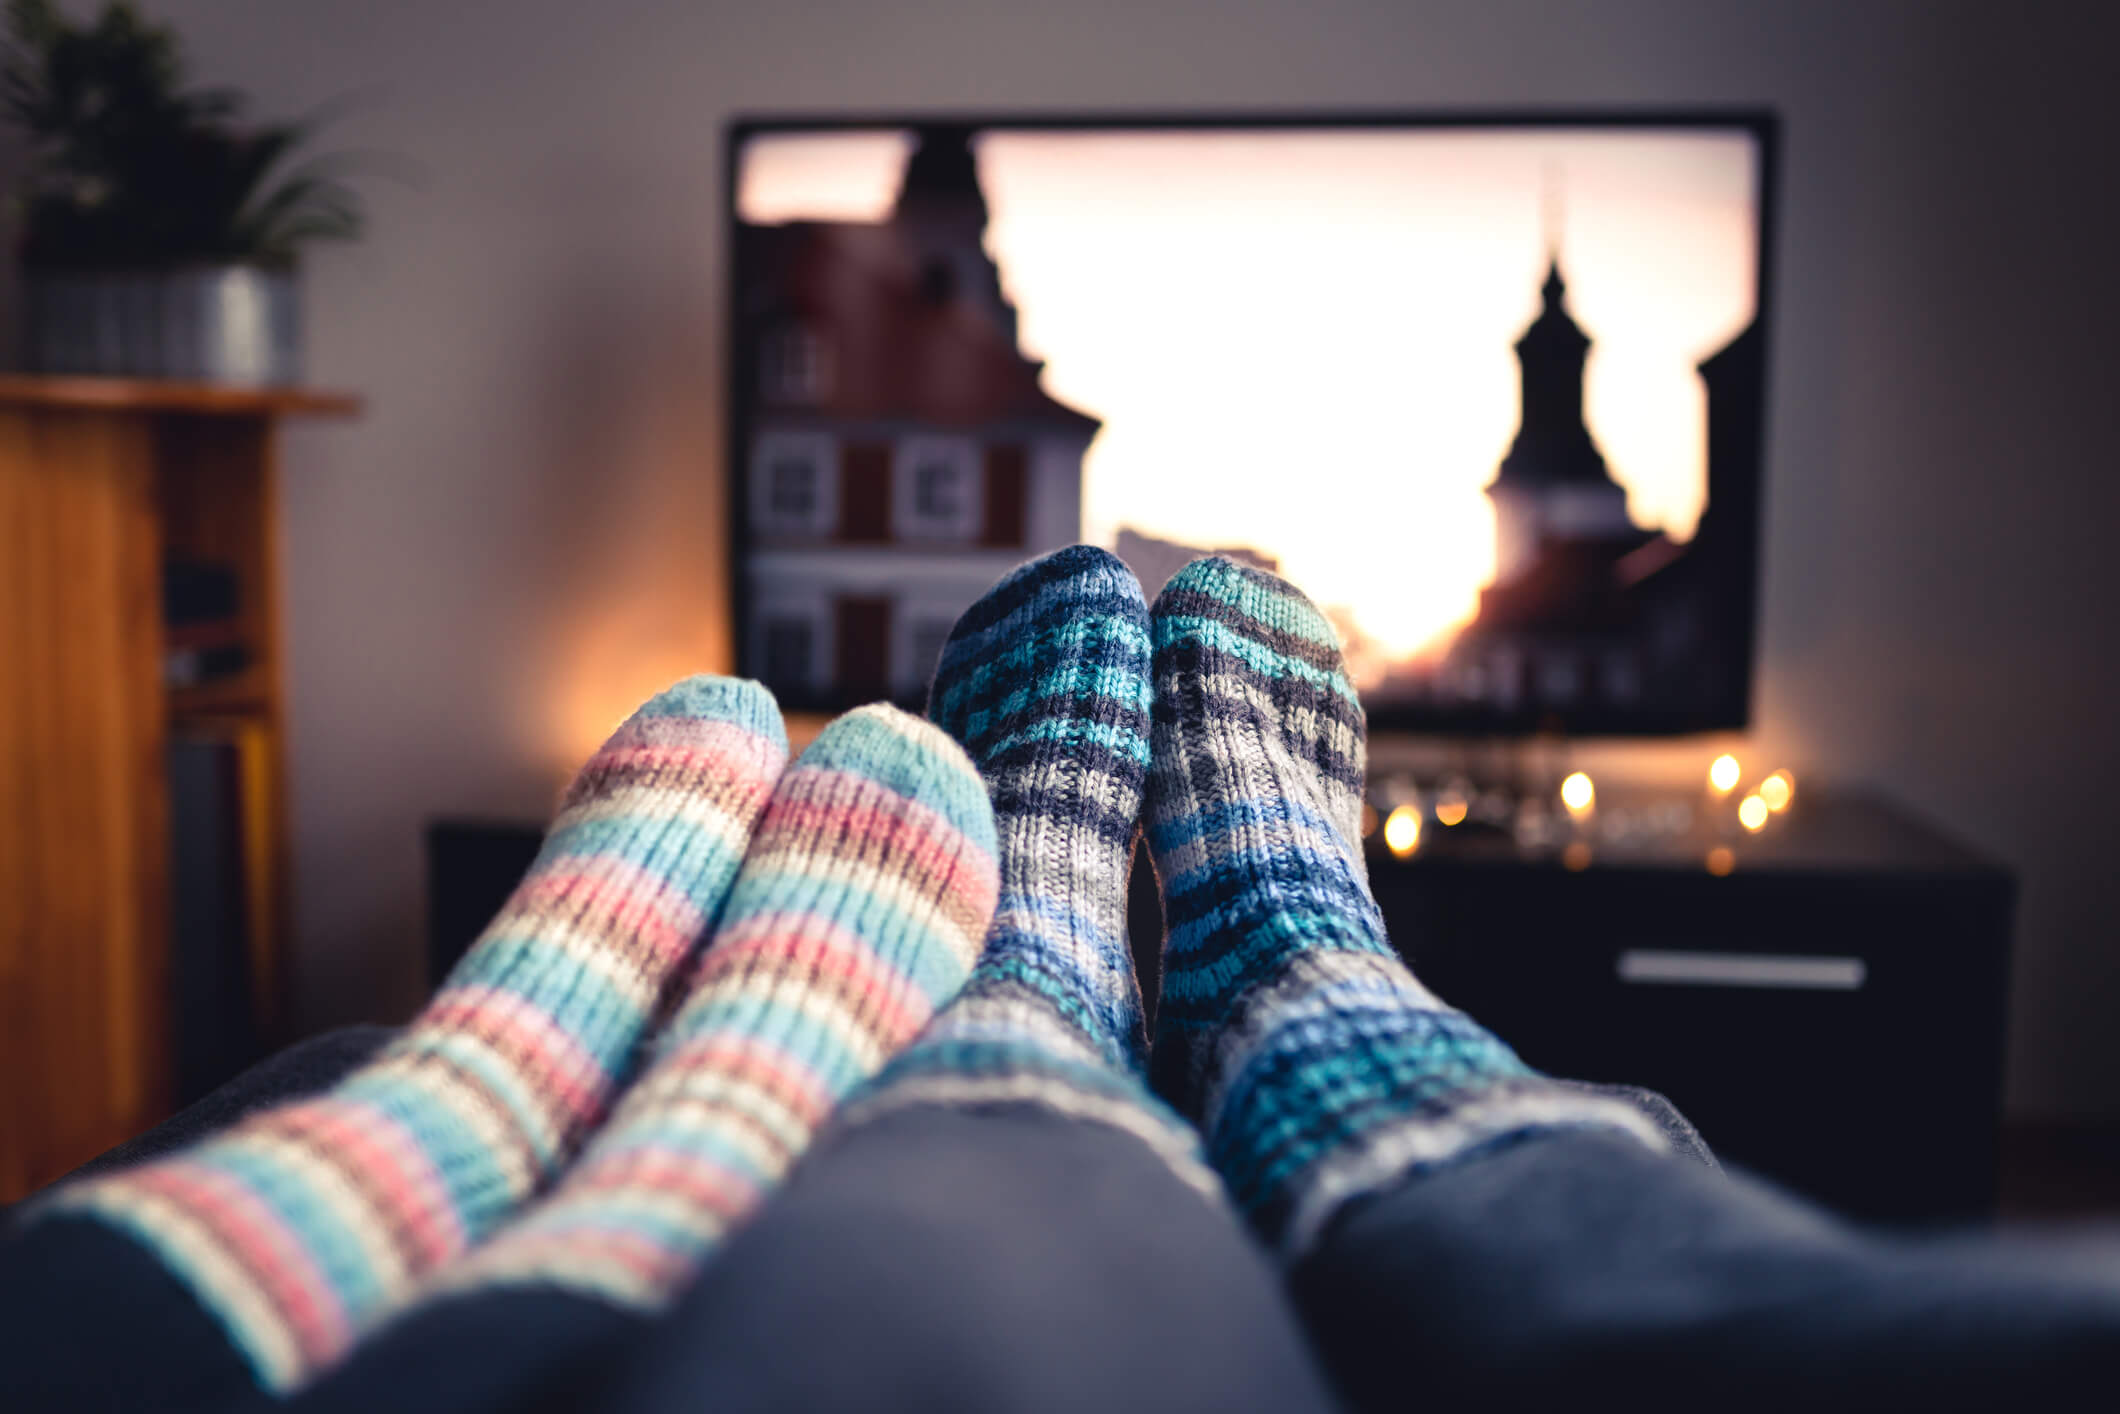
128,167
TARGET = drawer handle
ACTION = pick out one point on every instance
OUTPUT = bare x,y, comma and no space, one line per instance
1656,967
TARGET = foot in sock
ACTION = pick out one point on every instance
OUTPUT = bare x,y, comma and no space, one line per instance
1317,1066
861,905
303,1226
1045,682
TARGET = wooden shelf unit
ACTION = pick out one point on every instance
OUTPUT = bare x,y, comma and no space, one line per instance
102,481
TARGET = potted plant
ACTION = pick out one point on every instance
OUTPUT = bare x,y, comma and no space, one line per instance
159,228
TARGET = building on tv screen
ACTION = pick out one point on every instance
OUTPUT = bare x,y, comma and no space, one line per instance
1492,397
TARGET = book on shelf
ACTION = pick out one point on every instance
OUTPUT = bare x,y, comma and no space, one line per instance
205,637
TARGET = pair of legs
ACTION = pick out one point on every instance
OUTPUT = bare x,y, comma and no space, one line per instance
1007,1218
1010,1219
475,1175
384,1243
936,1259
1028,1086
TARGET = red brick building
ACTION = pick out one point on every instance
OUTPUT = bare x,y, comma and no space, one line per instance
900,452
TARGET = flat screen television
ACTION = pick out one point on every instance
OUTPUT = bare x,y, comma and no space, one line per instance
1489,387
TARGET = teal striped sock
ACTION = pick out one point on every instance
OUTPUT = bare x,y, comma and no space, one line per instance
1318,1067
1045,681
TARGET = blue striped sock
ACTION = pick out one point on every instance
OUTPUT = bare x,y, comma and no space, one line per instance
1045,682
1318,1067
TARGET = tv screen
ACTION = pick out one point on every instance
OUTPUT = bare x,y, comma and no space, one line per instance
1490,389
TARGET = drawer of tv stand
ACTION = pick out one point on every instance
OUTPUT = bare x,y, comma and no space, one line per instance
1840,1034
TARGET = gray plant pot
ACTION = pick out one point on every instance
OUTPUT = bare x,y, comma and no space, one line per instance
217,324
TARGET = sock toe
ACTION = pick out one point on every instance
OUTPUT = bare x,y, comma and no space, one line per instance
1092,568
1072,620
912,758
709,697
1258,648
1217,587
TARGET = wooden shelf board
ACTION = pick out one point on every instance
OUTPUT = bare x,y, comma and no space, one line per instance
160,395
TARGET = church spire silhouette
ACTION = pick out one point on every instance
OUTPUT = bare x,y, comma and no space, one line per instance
1553,445
941,179
1553,485
942,213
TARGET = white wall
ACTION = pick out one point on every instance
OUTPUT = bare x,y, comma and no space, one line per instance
517,542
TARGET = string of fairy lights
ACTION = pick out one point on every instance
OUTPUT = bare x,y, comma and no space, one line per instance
1404,822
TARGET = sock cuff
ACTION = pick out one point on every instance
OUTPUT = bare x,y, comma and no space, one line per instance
1019,1060
1451,1130
275,1339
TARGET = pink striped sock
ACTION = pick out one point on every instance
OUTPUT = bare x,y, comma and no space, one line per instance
307,1224
860,908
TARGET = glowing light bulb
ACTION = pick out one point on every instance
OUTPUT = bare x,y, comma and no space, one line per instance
1402,831
1778,790
1578,794
1752,813
1721,860
1451,810
1724,773
1369,819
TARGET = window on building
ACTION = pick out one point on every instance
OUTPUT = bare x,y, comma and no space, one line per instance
938,491
788,644
795,366
1508,669
791,488
939,495
1559,680
794,486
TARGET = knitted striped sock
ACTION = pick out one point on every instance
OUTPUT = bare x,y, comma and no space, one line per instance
860,907
304,1225
1045,681
1319,1068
